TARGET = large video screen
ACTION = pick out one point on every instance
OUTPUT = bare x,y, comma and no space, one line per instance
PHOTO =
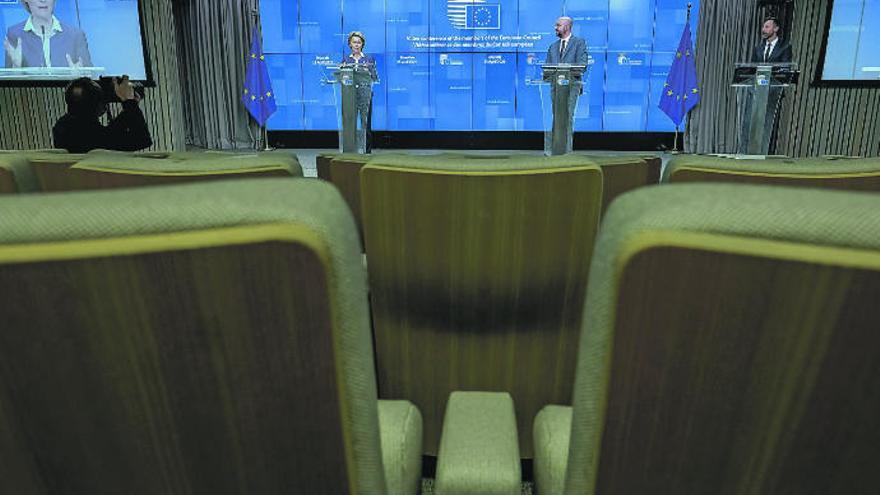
64,39
463,65
851,52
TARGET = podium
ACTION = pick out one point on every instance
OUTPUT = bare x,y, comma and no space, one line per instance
353,92
760,89
562,85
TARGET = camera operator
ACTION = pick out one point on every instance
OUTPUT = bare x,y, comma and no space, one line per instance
79,130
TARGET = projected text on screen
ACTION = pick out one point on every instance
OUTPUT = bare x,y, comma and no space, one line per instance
472,64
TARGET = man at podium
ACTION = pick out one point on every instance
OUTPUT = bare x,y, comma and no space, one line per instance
567,50
771,49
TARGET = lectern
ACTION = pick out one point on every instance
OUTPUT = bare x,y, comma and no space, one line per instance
760,89
563,84
353,91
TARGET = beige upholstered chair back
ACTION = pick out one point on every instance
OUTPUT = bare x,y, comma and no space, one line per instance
851,174
730,344
202,338
478,269
107,169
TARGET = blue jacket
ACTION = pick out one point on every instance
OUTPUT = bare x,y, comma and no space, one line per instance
69,41
575,52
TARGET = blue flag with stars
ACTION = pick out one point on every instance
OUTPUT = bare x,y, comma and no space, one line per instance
258,97
680,93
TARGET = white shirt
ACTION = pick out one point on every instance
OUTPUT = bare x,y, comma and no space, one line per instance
56,28
563,40
772,46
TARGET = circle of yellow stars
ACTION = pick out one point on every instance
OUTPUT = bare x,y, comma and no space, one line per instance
670,92
247,92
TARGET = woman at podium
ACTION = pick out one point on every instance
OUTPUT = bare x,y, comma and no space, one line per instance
362,61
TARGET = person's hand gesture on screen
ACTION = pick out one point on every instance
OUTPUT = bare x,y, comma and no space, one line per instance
124,89
72,64
13,51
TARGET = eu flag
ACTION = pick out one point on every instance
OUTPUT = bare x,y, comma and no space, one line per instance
680,93
483,16
258,97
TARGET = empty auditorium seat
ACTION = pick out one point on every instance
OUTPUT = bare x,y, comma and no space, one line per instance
829,173
51,170
622,173
16,175
343,170
108,169
322,161
729,345
478,269
196,338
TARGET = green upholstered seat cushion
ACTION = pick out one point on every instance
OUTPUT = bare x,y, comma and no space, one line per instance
552,433
190,163
829,166
16,174
797,215
400,427
314,205
479,451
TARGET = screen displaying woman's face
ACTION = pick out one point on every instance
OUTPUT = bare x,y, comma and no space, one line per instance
40,9
356,44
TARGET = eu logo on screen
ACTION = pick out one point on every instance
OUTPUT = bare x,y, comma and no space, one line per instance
483,17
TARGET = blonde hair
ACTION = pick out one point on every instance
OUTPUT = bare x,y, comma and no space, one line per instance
357,34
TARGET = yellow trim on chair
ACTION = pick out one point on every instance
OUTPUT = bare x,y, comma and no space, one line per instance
482,173
731,244
787,175
193,173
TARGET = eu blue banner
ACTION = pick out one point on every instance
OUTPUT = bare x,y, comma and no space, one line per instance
483,16
258,97
680,92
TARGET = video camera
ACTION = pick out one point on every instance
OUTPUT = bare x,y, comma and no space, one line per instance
109,91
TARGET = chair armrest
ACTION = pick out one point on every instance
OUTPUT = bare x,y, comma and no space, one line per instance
479,448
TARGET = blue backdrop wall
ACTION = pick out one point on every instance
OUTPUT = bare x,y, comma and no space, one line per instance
440,70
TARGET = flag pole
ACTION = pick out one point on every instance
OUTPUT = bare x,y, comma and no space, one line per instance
675,143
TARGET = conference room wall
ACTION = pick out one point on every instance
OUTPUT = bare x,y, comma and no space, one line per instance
28,114
815,120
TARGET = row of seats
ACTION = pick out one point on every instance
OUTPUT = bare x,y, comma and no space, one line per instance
478,272
56,170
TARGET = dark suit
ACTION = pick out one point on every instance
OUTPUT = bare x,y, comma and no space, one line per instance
575,52
69,41
781,53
